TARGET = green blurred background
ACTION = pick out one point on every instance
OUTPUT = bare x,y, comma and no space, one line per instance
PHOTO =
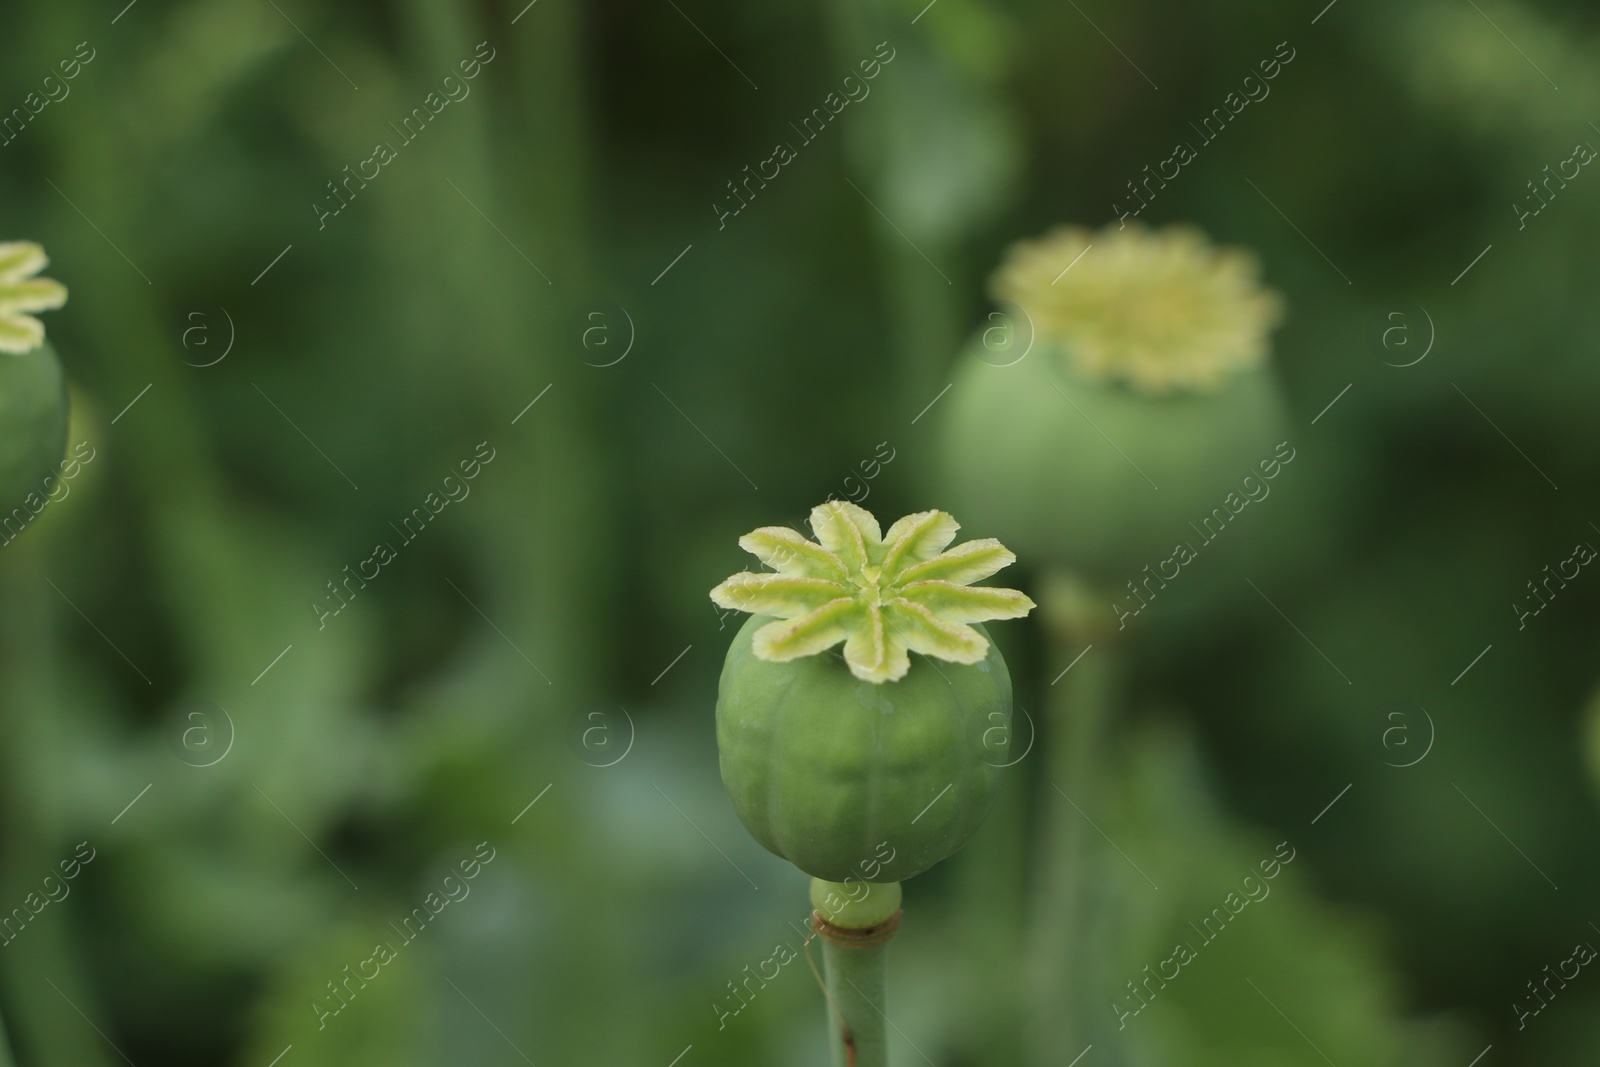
553,237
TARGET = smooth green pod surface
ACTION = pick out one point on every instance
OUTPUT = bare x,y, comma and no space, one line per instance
849,779
1093,475
33,425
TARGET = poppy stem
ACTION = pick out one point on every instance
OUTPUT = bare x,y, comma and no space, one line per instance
855,933
1081,687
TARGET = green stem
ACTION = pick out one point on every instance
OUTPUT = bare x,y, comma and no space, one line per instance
1066,912
924,320
31,820
855,929
857,979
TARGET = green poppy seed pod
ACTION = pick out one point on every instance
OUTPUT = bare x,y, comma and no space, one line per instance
863,766
33,424
1031,446
849,779
33,389
1142,394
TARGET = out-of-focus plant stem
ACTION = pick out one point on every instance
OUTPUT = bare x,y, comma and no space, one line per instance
30,818
165,460
1082,705
546,171
919,271
524,160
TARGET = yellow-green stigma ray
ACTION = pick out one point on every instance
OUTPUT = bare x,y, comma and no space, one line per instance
21,294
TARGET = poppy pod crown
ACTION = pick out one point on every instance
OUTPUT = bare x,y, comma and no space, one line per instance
881,594
1158,311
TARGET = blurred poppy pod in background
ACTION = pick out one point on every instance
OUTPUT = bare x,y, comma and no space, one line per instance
1142,395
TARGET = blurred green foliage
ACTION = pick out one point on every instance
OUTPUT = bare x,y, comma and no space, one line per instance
379,351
